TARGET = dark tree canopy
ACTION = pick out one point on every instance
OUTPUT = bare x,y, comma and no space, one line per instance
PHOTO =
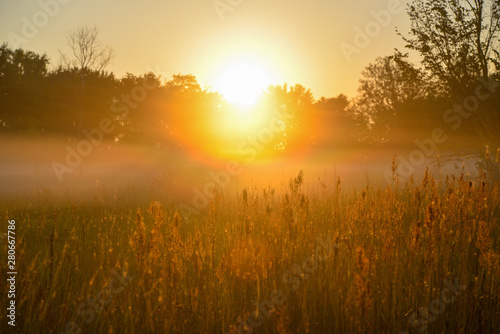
458,41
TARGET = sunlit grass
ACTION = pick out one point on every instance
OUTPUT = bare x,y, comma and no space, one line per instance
395,249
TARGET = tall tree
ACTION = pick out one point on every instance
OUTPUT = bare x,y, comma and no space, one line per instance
385,87
88,55
458,40
290,105
22,87
88,52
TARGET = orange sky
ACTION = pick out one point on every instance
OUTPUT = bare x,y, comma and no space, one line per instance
295,41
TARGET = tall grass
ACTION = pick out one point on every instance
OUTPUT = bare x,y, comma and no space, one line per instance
396,249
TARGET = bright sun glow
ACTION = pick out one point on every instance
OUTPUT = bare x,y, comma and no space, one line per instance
243,84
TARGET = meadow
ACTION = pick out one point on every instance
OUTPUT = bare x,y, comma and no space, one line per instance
415,256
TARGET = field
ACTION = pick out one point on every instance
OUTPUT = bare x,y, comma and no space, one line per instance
417,256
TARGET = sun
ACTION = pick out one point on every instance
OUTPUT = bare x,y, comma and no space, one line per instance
242,84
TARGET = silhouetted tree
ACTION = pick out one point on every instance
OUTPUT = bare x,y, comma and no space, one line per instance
175,113
22,87
185,86
334,104
88,55
337,122
459,41
66,102
290,105
385,88
140,108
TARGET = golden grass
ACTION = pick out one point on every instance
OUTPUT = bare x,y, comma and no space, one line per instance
396,247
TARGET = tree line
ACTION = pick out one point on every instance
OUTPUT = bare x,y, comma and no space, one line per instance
454,84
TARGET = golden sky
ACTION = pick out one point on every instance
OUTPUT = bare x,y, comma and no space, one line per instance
288,41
